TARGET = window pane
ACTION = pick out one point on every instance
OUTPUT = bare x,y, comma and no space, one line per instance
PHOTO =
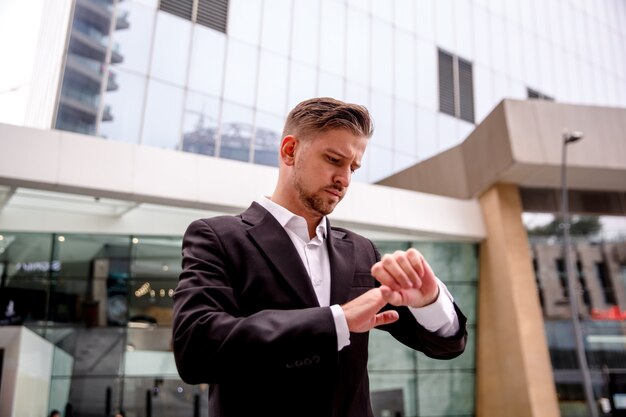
236,132
162,121
135,40
200,124
241,70
244,20
125,103
301,83
442,394
267,139
171,52
206,72
382,56
304,41
330,85
404,68
358,47
405,138
276,22
333,33
272,93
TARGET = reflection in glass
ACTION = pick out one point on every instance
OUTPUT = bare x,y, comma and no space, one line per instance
236,132
272,91
302,80
200,124
241,70
446,393
405,137
358,47
382,56
206,71
244,20
171,53
276,22
332,35
267,139
305,26
126,102
162,121
330,85
135,40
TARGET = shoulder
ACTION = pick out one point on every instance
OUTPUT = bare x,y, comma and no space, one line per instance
360,242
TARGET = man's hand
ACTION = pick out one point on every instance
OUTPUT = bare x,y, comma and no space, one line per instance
362,313
406,278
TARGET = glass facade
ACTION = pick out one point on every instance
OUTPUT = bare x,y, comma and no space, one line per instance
142,75
104,302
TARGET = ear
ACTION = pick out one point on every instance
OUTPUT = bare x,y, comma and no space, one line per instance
288,149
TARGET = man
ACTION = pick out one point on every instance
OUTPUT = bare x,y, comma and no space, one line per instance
274,306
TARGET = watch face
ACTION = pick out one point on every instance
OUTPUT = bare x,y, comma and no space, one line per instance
117,308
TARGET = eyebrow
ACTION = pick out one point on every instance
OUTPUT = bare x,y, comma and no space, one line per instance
356,164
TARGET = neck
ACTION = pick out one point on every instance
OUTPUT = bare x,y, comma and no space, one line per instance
295,206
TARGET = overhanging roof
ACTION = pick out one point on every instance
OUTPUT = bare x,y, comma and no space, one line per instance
520,142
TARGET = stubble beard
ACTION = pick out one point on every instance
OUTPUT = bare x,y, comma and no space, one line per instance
313,200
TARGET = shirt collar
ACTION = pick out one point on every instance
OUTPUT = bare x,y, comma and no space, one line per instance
291,221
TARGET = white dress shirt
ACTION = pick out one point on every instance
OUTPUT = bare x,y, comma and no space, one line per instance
438,317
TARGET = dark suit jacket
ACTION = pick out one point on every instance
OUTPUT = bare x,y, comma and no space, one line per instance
247,321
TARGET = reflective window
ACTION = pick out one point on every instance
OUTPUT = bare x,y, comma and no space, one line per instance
241,72
125,100
405,137
244,20
305,28
171,52
358,47
301,83
427,137
236,132
382,56
381,110
426,75
276,23
134,37
380,162
206,70
162,122
404,66
332,37
267,138
272,92
425,19
330,85
200,124
404,14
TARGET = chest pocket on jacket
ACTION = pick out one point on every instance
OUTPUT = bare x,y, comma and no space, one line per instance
361,283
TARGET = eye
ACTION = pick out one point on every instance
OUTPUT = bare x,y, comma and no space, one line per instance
332,159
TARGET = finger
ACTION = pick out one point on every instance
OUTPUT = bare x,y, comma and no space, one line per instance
391,297
402,258
386,317
392,267
417,260
384,277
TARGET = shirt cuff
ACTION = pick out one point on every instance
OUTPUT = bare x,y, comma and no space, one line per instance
341,326
440,316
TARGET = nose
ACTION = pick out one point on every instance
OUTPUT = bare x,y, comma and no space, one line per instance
343,176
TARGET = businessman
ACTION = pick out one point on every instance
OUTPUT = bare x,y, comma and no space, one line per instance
274,306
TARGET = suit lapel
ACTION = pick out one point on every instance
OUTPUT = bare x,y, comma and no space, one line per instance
342,265
273,241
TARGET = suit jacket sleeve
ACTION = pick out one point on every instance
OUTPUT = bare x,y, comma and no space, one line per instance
213,341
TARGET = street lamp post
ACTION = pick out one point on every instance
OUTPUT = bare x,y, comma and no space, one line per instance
571,137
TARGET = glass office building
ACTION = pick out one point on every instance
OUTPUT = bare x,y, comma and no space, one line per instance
90,254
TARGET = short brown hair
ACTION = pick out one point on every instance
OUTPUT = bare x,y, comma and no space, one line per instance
317,115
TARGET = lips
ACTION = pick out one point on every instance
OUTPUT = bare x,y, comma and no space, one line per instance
335,192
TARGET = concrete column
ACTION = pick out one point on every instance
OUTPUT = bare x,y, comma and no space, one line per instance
514,373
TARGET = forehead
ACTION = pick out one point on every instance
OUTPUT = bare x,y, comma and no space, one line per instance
339,140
